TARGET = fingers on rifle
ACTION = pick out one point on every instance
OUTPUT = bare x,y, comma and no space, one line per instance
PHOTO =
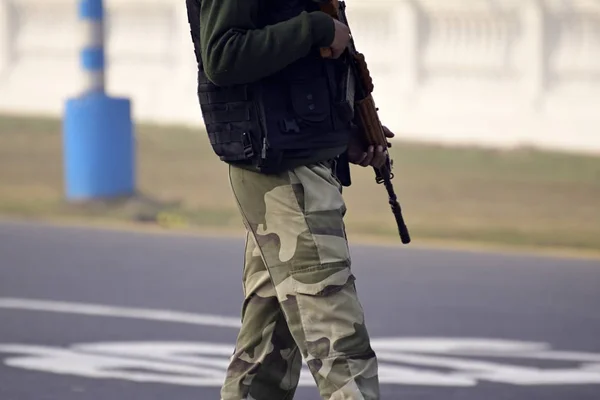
387,132
357,160
368,159
379,157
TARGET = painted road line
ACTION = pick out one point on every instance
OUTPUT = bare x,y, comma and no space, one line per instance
119,312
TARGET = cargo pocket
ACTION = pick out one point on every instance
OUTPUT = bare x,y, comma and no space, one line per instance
330,311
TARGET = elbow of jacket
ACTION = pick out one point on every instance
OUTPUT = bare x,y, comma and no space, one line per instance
220,66
218,77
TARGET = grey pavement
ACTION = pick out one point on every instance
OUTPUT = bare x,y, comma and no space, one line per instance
447,324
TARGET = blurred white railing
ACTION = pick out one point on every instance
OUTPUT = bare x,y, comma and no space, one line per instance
491,72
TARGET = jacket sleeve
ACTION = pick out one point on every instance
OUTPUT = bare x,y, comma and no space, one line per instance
236,51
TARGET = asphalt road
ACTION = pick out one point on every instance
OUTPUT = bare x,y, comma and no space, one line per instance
104,315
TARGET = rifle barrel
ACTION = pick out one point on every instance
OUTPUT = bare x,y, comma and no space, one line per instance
384,176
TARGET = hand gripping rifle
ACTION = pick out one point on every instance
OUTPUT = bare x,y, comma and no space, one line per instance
359,87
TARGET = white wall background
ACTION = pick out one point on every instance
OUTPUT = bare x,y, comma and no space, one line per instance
490,72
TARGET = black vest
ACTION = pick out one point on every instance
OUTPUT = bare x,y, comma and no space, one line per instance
291,111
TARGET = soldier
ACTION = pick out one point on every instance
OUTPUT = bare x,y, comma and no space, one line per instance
268,100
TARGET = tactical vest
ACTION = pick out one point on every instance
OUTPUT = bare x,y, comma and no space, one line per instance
293,110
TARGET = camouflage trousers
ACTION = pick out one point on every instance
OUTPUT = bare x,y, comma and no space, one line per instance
300,297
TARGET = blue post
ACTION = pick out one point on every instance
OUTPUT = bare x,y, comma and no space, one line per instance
99,154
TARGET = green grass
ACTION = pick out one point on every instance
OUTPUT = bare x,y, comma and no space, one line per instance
510,197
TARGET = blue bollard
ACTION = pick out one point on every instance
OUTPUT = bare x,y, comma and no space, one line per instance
98,147
98,142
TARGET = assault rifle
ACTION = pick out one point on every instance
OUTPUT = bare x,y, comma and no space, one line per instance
358,100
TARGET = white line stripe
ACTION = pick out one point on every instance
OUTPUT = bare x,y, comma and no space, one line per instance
92,33
93,81
119,312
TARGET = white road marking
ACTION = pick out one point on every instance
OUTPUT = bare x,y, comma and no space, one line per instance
178,363
403,361
119,312
205,363
71,362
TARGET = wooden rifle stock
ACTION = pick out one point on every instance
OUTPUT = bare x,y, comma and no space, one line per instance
366,113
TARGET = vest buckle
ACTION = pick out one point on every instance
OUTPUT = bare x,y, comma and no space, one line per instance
289,125
248,151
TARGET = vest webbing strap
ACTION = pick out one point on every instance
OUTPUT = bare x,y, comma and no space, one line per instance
222,117
217,97
225,137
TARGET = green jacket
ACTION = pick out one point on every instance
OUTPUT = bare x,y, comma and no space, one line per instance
236,50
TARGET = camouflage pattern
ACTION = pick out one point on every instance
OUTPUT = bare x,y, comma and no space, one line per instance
300,298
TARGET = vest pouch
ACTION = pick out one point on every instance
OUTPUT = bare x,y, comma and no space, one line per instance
229,128
232,146
311,102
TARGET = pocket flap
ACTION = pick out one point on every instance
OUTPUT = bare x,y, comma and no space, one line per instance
323,280
310,100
